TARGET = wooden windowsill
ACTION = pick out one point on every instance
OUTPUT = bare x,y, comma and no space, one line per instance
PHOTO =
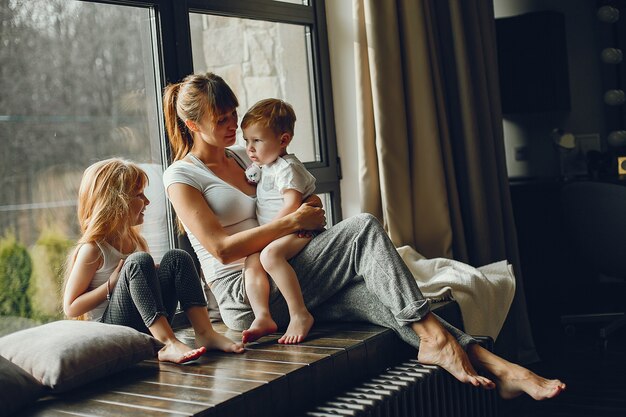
269,379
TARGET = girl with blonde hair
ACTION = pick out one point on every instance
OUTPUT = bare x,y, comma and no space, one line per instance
111,278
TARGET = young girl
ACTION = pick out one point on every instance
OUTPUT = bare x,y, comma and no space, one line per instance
283,182
110,277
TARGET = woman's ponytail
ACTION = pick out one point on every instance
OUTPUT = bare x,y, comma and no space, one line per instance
179,136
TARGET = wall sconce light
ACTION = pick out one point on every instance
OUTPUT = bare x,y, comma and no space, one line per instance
608,14
563,141
614,97
611,55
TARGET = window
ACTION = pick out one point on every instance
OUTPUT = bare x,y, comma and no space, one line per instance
70,96
81,81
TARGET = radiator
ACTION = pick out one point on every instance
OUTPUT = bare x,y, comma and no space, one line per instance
411,389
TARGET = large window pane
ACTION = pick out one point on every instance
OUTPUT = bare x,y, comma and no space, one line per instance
259,60
78,84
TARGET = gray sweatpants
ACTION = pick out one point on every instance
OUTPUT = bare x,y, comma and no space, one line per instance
351,272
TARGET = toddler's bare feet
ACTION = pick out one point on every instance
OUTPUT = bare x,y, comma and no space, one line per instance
261,326
178,352
518,380
298,329
212,340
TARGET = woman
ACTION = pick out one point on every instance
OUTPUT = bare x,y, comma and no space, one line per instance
349,272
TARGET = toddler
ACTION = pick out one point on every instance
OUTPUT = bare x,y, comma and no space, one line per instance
283,182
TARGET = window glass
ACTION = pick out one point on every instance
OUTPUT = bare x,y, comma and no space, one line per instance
328,207
70,96
260,59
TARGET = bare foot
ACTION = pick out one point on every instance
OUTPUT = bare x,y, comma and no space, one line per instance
438,347
514,380
298,329
212,340
519,380
178,352
261,326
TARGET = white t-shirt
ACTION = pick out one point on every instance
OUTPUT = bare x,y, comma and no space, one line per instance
286,173
235,210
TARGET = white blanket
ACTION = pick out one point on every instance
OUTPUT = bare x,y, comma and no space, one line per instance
484,294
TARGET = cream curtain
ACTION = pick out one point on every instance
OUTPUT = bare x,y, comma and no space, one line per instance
431,151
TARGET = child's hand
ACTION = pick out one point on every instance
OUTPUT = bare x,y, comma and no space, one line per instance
115,275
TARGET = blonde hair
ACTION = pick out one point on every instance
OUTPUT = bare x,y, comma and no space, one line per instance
192,99
104,196
271,113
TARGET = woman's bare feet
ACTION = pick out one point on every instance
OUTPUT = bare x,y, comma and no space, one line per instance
212,340
439,347
299,326
178,352
261,326
514,380
525,381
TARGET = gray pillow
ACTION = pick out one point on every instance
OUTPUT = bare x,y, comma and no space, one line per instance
17,388
68,353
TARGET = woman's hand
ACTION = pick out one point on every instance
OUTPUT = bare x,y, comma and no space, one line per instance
309,216
313,200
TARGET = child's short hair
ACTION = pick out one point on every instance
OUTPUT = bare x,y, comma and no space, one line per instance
271,113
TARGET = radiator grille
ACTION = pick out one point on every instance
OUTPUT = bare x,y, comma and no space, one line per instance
410,389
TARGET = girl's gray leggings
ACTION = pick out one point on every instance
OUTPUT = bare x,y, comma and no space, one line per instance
144,292
351,272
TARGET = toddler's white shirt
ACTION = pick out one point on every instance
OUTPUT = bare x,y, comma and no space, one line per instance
286,173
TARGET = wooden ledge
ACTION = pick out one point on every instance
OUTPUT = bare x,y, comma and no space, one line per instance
269,379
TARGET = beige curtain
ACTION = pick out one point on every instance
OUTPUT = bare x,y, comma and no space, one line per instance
431,151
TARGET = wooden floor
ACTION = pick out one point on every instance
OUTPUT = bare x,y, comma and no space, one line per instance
269,379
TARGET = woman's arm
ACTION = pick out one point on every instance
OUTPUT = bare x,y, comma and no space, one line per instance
76,299
195,213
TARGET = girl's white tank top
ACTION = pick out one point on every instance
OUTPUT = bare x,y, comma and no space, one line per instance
111,257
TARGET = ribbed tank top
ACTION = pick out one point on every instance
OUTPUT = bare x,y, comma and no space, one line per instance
111,257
